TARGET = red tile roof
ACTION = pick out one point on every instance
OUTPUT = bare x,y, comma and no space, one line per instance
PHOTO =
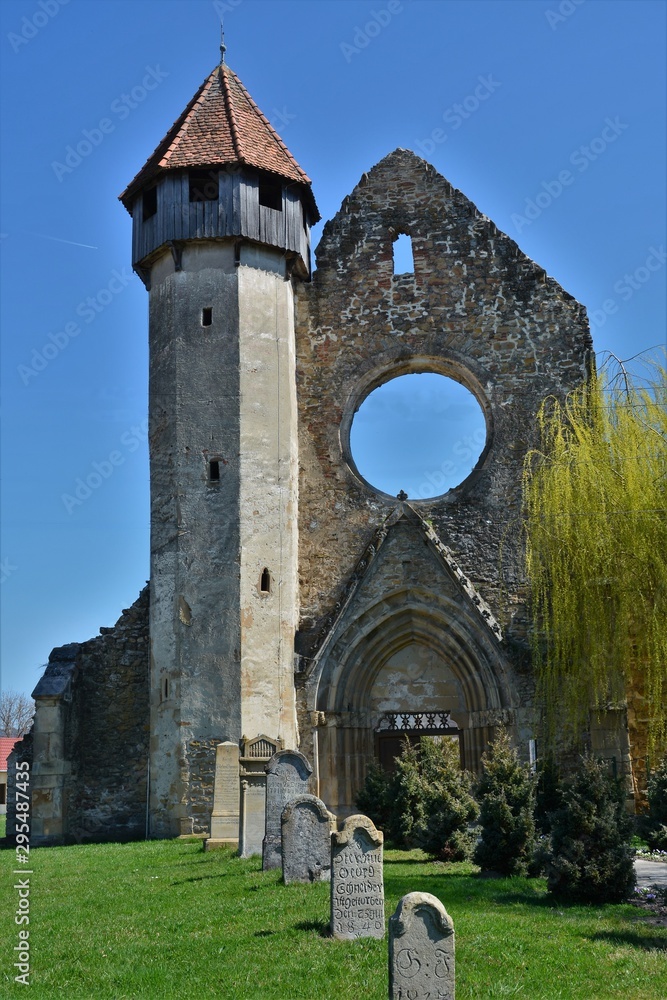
221,125
6,747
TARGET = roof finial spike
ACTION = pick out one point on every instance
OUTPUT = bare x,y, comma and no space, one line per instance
223,47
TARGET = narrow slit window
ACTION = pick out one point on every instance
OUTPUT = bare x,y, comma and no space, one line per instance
265,582
165,689
149,203
403,258
206,316
203,185
271,193
214,471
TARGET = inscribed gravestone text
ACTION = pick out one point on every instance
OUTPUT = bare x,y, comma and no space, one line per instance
357,888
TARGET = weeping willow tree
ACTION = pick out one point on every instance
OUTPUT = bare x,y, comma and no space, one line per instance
595,497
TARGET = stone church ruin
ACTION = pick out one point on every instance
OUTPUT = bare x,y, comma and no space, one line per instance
291,604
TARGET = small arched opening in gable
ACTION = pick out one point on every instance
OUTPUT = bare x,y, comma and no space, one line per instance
403,257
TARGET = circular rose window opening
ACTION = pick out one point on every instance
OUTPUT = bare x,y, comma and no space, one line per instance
420,433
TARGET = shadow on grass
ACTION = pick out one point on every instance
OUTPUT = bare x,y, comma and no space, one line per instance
645,942
321,927
543,900
203,878
503,891
228,875
467,888
412,861
547,901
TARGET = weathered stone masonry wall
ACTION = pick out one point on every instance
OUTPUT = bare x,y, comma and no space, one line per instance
107,730
201,758
476,309
104,735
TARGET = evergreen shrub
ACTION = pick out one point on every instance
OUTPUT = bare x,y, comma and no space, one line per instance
506,795
653,826
548,793
591,858
374,799
427,802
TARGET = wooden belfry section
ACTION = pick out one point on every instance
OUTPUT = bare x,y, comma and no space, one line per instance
291,605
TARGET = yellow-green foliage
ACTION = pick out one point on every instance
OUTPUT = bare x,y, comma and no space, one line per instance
595,496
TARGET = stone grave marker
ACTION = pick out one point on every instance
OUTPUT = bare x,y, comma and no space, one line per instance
253,809
421,950
357,888
287,775
226,796
307,826
255,754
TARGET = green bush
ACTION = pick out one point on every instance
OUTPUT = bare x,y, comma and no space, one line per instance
506,795
406,799
548,797
426,802
591,856
442,793
653,826
433,798
375,797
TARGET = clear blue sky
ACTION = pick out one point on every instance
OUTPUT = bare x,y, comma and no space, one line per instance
538,93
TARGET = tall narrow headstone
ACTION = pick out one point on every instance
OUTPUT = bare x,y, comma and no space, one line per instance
253,809
287,775
421,949
226,796
255,754
357,887
307,826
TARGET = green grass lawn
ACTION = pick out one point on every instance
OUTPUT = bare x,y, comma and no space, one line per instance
165,920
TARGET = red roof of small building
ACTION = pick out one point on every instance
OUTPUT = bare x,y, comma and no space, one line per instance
221,125
6,747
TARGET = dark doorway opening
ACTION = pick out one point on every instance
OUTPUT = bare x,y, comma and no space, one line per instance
395,728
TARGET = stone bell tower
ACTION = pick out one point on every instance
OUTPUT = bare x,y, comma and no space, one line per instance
221,215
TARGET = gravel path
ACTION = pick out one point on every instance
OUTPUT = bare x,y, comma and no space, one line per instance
650,873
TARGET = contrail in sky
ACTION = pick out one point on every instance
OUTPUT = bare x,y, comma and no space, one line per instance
57,239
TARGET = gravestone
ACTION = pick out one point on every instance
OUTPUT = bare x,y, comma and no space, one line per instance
357,888
226,794
287,775
421,950
307,826
253,808
255,753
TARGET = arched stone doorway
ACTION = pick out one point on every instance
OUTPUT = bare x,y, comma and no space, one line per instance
415,693
417,654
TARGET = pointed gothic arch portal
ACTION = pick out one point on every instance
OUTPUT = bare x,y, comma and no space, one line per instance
419,659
